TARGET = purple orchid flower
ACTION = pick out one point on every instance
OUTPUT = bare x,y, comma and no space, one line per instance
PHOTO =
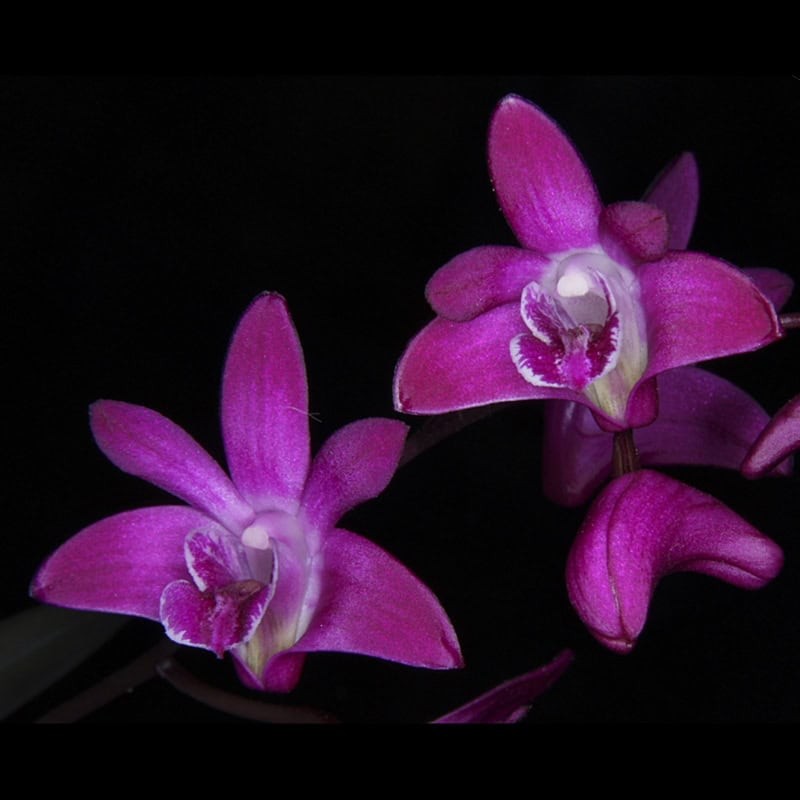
777,441
644,526
596,303
254,566
703,419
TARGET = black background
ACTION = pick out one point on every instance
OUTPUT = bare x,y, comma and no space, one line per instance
141,216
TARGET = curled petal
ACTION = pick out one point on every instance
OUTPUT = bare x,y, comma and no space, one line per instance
510,701
645,526
454,365
372,605
699,308
633,232
144,443
122,563
265,407
481,279
676,190
703,420
545,190
354,465
777,286
217,620
776,442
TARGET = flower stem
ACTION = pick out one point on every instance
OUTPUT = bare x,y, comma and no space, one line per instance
626,456
182,680
437,428
791,320
139,671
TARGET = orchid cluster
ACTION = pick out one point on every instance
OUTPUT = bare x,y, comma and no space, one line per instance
601,312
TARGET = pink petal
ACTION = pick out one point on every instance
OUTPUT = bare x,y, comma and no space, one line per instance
481,279
699,308
143,443
645,526
121,564
775,285
372,605
546,192
353,466
774,444
217,620
676,191
633,232
265,407
703,420
510,701
455,365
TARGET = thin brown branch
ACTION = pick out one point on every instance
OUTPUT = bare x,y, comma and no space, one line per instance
183,680
139,671
791,320
626,456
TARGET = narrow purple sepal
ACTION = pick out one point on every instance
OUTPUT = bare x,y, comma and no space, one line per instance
482,278
282,673
354,465
510,701
699,308
676,190
372,605
775,443
122,563
146,444
644,526
545,190
632,232
265,407
454,365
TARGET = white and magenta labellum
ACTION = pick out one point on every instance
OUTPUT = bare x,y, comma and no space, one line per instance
586,330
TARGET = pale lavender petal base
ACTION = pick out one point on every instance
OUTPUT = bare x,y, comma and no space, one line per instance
644,526
353,466
372,605
510,701
265,407
122,563
482,278
775,443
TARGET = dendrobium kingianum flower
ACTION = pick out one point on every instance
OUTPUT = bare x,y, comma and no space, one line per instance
255,565
644,526
596,303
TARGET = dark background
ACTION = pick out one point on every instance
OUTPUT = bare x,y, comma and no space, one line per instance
141,215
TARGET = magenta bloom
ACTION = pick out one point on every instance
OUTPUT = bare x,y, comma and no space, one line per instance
779,439
254,566
597,302
644,526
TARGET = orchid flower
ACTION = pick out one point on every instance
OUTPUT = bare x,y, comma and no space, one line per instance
255,565
644,526
776,442
595,304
